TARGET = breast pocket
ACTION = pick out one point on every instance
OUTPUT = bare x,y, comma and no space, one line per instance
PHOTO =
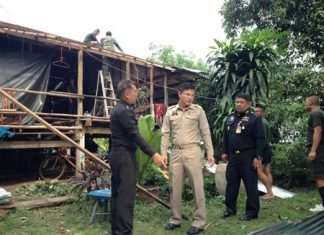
174,120
192,119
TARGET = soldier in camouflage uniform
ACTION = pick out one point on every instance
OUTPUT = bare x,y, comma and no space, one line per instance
183,128
109,43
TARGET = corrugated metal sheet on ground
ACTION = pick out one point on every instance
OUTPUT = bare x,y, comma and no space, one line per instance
308,226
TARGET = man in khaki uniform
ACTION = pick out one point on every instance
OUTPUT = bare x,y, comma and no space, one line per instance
184,126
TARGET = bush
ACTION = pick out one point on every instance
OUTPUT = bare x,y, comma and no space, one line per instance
290,164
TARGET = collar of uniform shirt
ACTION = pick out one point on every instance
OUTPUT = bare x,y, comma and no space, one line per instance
189,107
242,113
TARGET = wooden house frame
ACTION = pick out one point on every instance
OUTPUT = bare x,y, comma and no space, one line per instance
161,80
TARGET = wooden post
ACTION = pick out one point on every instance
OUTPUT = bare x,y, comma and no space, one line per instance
128,71
151,91
80,134
80,81
166,94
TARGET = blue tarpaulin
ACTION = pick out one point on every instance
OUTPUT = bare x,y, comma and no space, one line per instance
4,132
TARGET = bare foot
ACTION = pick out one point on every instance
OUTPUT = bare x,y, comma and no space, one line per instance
267,196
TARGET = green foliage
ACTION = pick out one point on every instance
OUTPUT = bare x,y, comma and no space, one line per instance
146,126
288,120
302,20
51,188
290,165
167,54
240,66
153,177
287,95
103,146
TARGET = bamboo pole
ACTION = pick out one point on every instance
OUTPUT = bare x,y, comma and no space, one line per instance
157,199
74,144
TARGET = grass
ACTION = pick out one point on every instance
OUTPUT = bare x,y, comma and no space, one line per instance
151,218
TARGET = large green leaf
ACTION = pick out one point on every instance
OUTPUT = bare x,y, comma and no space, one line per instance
153,138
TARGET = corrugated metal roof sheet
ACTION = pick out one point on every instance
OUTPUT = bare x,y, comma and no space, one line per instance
313,225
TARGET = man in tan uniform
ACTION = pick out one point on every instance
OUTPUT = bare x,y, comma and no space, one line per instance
184,126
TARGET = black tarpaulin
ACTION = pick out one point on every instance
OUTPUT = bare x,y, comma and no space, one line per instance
25,70
313,225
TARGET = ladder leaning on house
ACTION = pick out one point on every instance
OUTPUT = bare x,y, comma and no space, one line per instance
106,89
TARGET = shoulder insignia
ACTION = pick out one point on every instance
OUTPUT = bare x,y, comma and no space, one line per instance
251,113
197,106
171,107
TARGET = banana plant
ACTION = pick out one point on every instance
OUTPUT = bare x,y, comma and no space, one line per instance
146,126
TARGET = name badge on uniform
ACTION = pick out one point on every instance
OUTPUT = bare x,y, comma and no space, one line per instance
174,113
245,118
238,129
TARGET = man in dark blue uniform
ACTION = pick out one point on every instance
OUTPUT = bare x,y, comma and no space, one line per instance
125,139
243,144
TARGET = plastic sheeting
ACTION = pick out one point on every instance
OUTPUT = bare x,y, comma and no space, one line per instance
25,70
311,226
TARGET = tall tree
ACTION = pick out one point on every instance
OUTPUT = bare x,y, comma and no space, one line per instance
302,19
241,65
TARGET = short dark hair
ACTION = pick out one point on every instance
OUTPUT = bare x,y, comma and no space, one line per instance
186,86
261,106
108,33
243,96
122,86
314,99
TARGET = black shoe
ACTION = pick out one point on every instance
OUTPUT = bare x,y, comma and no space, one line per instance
171,226
228,213
194,230
248,217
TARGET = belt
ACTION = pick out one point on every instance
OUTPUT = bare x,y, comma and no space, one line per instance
185,146
238,151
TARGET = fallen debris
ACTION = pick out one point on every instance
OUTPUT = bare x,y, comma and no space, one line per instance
38,203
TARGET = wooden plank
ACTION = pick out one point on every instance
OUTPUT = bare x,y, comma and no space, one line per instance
38,203
33,144
97,130
42,133
58,94
42,127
